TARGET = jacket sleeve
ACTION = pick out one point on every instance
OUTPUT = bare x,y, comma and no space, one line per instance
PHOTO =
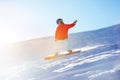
70,25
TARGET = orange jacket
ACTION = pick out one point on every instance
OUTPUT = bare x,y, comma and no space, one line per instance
62,31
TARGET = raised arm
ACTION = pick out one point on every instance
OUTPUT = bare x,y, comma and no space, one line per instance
71,25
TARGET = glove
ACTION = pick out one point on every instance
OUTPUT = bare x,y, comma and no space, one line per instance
75,21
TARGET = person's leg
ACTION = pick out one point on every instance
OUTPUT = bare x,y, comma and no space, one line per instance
58,46
68,46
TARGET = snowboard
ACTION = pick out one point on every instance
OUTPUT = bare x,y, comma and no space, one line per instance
63,54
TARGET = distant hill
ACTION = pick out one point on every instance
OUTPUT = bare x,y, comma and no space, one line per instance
38,48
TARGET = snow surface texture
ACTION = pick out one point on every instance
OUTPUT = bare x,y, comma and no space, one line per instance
99,60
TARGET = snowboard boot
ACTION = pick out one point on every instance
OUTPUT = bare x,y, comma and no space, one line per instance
70,51
56,54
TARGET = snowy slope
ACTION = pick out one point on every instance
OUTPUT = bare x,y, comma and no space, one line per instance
99,60
102,36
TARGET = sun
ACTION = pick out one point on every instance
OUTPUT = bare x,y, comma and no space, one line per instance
7,36
5,39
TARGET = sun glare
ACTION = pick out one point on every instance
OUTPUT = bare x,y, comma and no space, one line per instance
11,18
7,36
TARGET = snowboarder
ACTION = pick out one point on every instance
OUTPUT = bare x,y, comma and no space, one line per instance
61,35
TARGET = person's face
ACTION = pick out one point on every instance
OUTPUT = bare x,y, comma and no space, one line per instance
60,22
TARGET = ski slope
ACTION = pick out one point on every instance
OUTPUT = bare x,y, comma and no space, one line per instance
88,65
99,59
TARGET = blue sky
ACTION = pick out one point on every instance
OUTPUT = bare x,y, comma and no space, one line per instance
29,19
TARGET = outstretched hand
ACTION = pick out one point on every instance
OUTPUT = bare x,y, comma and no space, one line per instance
75,22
